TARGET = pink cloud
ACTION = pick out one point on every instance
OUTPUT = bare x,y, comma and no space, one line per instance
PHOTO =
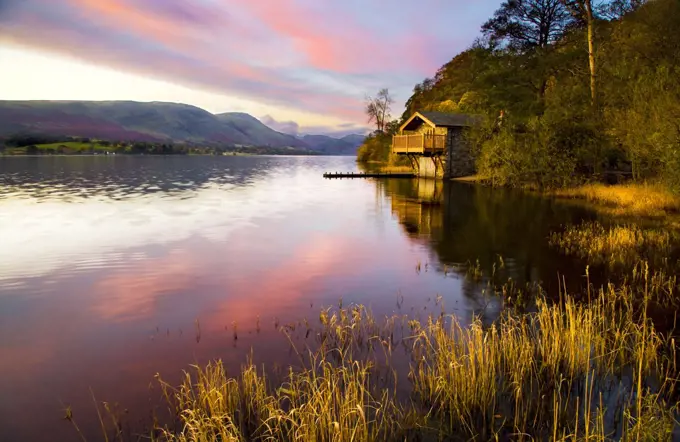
338,43
318,56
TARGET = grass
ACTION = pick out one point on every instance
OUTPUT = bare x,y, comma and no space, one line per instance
74,146
396,169
566,372
615,245
67,147
13,151
629,199
471,179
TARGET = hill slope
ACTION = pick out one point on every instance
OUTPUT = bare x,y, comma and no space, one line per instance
256,132
329,146
116,120
155,121
355,140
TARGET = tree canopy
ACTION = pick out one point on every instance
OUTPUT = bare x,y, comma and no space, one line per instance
528,24
534,61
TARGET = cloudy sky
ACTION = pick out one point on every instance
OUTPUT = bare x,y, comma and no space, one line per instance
300,65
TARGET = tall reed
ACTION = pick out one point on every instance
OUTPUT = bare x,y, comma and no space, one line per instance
568,371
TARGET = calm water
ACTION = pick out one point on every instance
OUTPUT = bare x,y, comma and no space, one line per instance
113,269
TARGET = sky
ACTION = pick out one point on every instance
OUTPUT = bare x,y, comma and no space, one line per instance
301,66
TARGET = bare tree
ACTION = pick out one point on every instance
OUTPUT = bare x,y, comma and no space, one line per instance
582,10
378,109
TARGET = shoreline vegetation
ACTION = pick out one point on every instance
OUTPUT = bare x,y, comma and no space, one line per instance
633,199
567,371
37,146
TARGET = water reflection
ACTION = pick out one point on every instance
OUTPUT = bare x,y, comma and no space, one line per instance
465,225
114,269
73,214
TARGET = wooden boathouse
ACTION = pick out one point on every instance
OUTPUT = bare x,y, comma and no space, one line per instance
433,142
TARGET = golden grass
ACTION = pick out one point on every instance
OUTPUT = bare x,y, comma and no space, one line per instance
325,402
615,245
629,199
471,179
567,372
544,375
396,169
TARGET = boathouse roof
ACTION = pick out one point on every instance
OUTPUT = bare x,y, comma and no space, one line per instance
438,119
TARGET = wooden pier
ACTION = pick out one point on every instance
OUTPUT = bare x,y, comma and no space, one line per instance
368,175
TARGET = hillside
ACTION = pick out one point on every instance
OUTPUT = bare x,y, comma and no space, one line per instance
151,122
329,146
554,117
355,140
256,132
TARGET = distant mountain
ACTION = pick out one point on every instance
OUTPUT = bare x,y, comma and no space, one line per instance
116,120
258,133
329,146
354,139
154,121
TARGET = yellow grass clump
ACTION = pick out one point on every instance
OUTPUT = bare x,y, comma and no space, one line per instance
396,169
629,199
615,245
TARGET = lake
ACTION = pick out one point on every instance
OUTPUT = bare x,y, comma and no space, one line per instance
113,269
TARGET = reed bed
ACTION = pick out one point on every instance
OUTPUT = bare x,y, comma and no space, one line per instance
614,245
629,199
567,372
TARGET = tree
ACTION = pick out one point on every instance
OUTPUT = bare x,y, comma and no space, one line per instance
529,28
392,127
528,24
582,10
618,8
378,109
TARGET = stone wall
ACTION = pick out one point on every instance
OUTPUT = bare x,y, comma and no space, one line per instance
459,160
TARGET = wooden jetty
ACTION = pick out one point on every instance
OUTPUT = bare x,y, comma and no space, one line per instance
368,175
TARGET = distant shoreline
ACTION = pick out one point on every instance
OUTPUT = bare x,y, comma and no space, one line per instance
173,155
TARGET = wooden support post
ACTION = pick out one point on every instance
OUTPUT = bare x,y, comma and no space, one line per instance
434,161
441,164
414,163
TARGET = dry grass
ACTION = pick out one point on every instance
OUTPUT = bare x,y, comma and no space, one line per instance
324,402
615,245
630,199
543,376
567,372
472,179
396,169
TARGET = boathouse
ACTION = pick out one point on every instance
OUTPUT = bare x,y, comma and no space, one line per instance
433,141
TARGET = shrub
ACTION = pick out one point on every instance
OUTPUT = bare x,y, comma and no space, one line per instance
521,155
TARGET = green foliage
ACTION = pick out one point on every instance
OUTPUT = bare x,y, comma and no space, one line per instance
527,155
100,147
376,149
551,134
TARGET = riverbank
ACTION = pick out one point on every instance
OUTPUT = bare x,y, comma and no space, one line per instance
569,371
639,200
634,200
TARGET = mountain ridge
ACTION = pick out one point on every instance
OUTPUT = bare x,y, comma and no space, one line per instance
155,121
